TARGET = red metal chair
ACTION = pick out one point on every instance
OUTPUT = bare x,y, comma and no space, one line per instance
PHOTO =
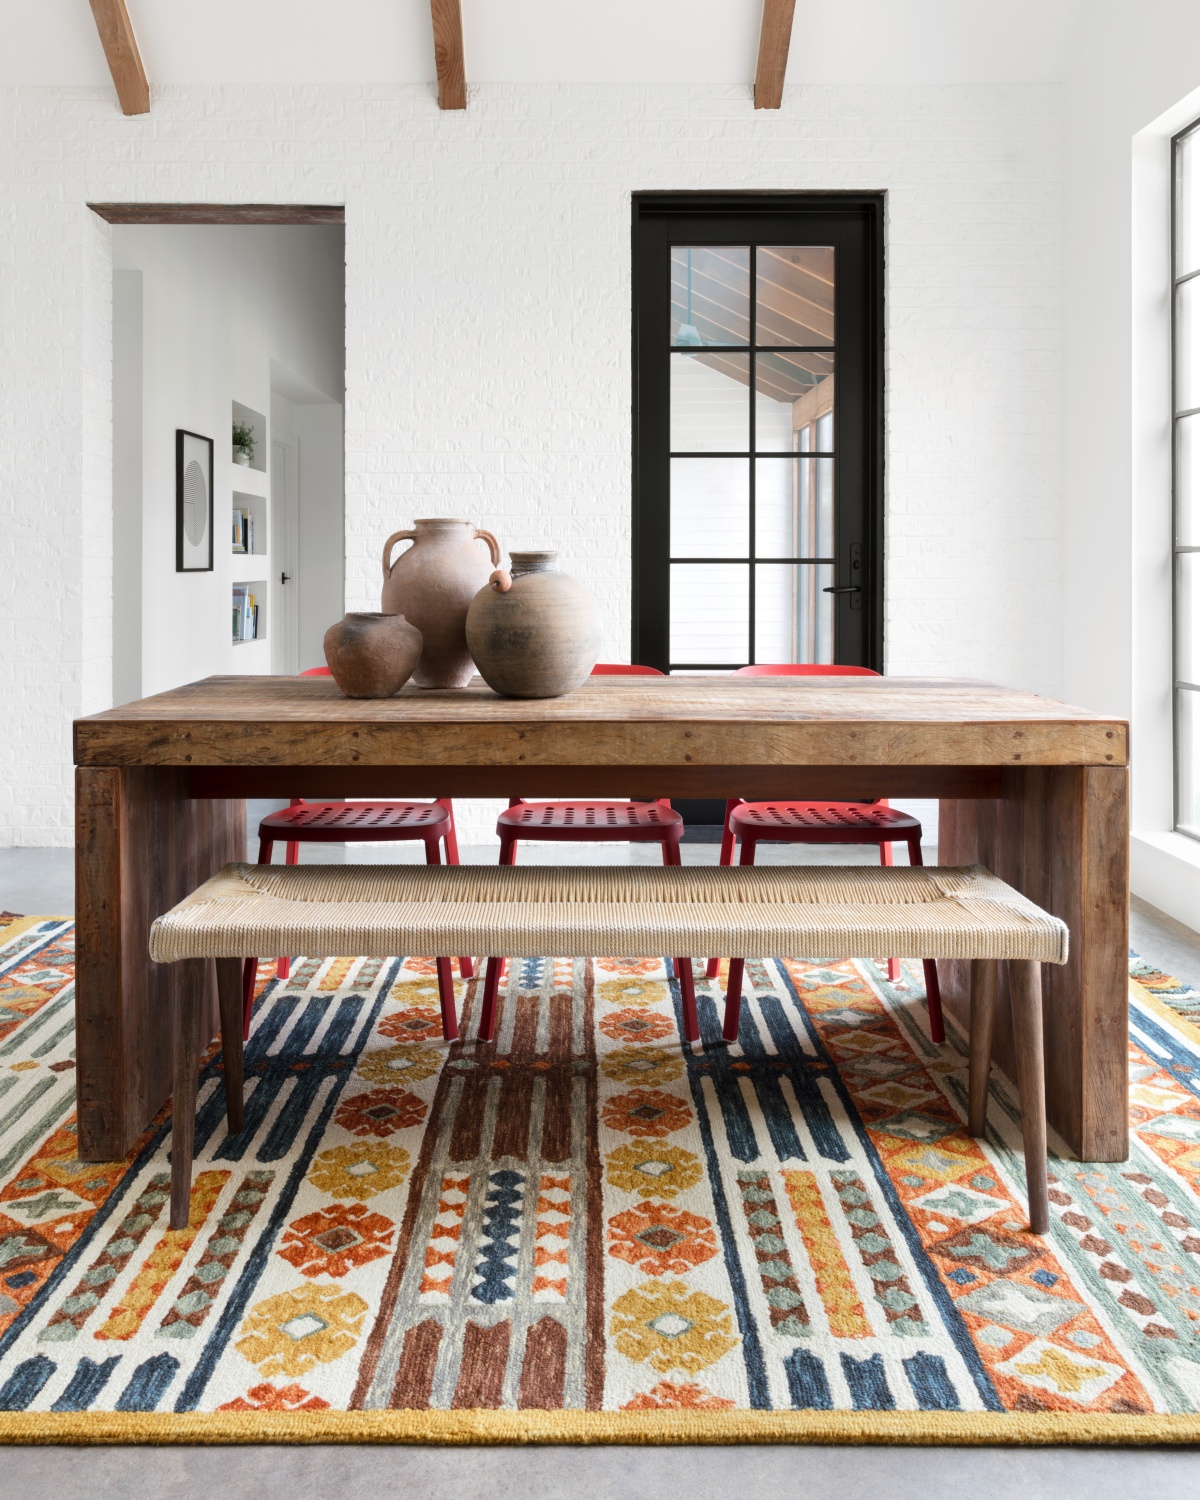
362,822
622,822
818,822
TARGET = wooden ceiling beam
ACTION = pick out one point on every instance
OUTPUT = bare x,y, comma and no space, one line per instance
124,59
773,42
448,53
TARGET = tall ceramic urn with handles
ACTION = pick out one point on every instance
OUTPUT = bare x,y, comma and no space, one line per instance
432,585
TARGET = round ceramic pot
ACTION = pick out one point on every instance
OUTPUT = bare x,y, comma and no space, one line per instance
240,456
372,655
432,585
534,632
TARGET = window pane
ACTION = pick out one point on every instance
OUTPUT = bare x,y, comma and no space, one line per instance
710,403
710,295
1187,617
1187,765
1187,205
793,617
795,294
793,507
792,391
710,612
1187,345
1187,481
710,507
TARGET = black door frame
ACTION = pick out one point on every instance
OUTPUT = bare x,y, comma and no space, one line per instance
854,221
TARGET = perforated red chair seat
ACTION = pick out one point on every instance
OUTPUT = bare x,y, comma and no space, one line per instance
628,822
822,822
360,822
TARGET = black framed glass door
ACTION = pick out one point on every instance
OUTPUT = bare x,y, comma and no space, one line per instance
757,518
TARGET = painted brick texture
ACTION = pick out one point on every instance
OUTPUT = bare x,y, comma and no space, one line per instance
488,342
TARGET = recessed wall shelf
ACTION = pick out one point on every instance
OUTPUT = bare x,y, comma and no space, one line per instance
249,612
246,416
249,531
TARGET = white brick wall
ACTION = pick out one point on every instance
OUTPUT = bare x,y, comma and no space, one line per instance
488,349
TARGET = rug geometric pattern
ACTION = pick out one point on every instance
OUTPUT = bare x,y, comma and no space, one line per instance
584,1217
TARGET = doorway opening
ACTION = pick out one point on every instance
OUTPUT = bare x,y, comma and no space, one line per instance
228,455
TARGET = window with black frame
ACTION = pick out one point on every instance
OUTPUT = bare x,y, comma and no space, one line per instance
757,380
1185,345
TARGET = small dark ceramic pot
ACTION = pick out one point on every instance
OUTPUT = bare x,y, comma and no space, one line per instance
372,655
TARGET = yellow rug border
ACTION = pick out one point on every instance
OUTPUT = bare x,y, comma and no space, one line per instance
461,1428
18,925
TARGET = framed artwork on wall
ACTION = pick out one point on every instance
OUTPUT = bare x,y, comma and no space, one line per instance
193,502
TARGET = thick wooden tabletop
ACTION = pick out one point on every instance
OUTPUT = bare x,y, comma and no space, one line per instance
609,721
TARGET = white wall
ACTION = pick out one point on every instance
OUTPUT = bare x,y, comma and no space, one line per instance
488,335
219,303
1127,91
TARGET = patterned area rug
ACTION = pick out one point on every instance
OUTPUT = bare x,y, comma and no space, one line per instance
584,1233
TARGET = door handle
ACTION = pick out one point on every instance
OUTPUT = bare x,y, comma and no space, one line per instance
846,588
284,577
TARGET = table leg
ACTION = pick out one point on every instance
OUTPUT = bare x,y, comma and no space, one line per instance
1060,834
141,844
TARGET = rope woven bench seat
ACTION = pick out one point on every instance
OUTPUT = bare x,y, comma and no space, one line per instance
529,912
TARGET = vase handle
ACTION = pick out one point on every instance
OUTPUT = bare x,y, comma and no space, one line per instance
492,543
501,581
396,536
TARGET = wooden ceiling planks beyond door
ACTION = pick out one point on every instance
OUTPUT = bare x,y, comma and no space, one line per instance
220,213
448,53
773,42
124,59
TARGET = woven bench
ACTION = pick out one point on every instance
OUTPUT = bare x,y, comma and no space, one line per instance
531,912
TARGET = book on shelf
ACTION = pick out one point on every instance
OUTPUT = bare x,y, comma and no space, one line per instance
245,614
243,529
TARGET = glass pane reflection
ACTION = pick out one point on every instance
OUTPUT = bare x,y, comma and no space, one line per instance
710,507
710,403
793,616
710,612
794,286
793,507
792,392
710,295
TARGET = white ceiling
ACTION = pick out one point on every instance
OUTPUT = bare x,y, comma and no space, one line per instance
545,41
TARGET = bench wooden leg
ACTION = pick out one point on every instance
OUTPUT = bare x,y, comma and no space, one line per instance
229,993
983,1025
446,996
733,999
1025,986
491,986
687,993
189,1006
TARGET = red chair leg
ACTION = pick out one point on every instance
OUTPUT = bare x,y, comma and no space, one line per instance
508,851
446,997
733,999
727,839
893,964
713,969
671,856
687,991
491,986
249,976
293,854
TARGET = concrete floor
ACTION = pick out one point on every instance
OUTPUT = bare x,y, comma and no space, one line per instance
41,881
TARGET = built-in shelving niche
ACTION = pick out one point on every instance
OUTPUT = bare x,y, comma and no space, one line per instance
246,416
248,612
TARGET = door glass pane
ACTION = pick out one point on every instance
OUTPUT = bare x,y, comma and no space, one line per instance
791,391
1187,345
793,507
1187,481
794,286
1187,205
793,617
710,295
1187,617
710,507
1187,750
710,403
710,612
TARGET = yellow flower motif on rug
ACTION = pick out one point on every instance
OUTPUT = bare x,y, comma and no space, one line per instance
361,1170
670,1327
403,1064
643,1065
632,991
646,1167
290,1333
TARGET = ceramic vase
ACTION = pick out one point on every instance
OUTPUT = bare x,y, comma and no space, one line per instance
534,632
432,585
372,655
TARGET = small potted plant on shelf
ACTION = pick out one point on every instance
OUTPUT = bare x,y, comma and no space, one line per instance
243,444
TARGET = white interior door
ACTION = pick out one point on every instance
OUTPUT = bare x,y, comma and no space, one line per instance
285,553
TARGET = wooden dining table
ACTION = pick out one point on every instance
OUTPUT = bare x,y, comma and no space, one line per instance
1032,788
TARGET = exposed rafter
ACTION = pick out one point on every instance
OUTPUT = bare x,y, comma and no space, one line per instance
773,42
448,53
124,59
